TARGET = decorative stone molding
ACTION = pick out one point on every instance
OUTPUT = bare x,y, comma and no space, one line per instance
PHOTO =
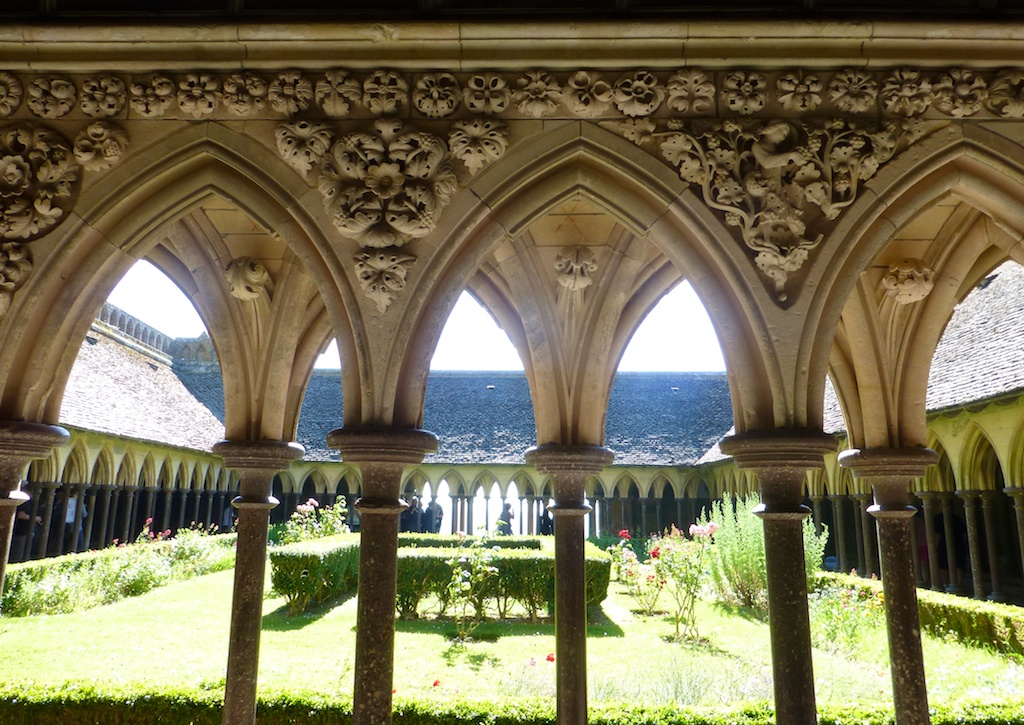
290,93
537,95
908,281
52,97
303,144
386,187
436,95
638,94
38,181
382,274
575,267
337,92
385,92
11,93
151,96
199,94
486,93
15,266
587,94
478,141
100,145
245,93
248,279
691,91
102,96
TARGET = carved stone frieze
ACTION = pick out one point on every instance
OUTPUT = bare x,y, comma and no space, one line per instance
587,93
245,93
199,94
52,97
385,92
387,186
382,274
575,267
537,94
248,279
102,96
337,92
290,93
303,144
151,96
908,281
478,141
11,93
38,181
638,94
15,266
487,94
437,95
100,145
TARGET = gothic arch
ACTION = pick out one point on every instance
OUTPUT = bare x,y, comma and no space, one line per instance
103,469
76,467
979,461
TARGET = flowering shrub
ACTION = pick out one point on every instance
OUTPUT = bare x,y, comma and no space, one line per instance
642,580
310,521
473,573
841,617
681,564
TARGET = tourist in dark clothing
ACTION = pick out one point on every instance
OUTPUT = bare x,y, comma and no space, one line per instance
504,523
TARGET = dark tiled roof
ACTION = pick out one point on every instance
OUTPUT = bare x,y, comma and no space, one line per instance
116,389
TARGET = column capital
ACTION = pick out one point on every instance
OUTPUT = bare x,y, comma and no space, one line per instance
1017,494
261,455
798,448
382,445
969,495
20,443
558,460
880,463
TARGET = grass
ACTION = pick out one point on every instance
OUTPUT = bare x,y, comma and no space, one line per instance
178,635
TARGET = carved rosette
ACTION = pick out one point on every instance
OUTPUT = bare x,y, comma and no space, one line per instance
478,141
386,187
11,93
382,274
15,266
908,281
303,144
248,279
100,145
38,181
575,267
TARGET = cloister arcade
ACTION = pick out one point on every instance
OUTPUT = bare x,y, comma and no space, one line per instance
831,191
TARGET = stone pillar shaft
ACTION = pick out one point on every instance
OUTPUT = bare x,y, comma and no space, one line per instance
988,511
781,459
1017,494
839,520
569,468
970,499
890,471
953,571
257,463
46,497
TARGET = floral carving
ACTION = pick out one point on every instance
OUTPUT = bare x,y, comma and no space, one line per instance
780,183
1006,94
51,97
248,279
100,145
478,142
388,186
575,267
302,144
103,96
960,93
199,94
244,93
11,94
336,93
853,91
745,93
587,93
385,92
382,274
799,91
690,91
486,93
639,94
15,266
906,93
37,181
290,93
436,95
151,97
538,93
908,281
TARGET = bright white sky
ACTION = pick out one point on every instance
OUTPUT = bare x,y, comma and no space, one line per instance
676,336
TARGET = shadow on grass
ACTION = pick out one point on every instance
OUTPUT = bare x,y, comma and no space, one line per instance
600,625
280,620
748,613
458,651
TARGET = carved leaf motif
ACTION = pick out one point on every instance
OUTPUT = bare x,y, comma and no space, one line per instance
385,92
437,95
853,91
382,274
487,94
1006,94
100,145
478,142
906,93
745,92
11,94
302,144
691,91
337,92
538,94
908,281
152,96
51,97
103,96
244,93
199,94
587,94
799,91
960,93
248,279
15,266
639,94
575,267
290,93
38,181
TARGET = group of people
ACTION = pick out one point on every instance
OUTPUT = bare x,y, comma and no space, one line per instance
420,520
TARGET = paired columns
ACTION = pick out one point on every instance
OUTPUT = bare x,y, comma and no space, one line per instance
382,456
20,443
569,468
781,459
257,462
890,472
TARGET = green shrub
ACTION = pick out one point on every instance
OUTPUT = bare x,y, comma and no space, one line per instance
311,572
421,572
310,521
440,541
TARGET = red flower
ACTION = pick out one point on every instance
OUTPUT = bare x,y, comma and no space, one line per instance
655,552
551,657
437,683
624,534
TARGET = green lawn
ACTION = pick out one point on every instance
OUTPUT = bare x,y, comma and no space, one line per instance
178,635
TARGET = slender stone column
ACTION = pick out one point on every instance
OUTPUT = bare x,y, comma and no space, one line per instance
890,471
928,499
594,515
1017,494
818,513
197,504
182,508
867,530
781,459
970,499
33,490
47,495
531,515
20,443
382,455
90,519
644,526
839,519
680,521
605,522
63,501
949,533
858,534
988,511
165,520
257,462
106,496
569,468
128,504
470,501
208,516
76,525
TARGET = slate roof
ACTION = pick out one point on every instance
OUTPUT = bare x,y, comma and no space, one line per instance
125,391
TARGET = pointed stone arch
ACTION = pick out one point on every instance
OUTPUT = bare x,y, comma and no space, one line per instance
103,469
980,466
76,467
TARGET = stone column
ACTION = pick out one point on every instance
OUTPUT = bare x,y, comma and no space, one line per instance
867,530
680,522
61,514
470,501
988,511
594,515
106,523
128,504
839,519
970,499
382,455
818,513
858,534
569,468
644,527
182,508
20,443
90,519
165,520
1017,494
257,462
197,504
605,522
781,459
531,515
928,499
950,535
33,490
76,525
46,497
890,472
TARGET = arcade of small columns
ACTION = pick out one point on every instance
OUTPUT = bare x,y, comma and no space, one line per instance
829,204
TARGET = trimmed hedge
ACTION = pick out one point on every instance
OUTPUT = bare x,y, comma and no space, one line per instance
440,541
975,622
108,703
308,573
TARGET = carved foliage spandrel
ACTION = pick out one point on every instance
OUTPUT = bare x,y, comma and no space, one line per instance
100,145
575,267
248,279
15,266
908,281
38,181
382,273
